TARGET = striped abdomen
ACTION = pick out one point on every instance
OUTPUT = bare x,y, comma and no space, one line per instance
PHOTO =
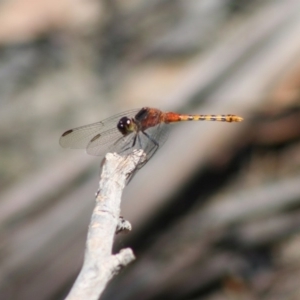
173,117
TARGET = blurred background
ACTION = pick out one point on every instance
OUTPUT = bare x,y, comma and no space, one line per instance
216,212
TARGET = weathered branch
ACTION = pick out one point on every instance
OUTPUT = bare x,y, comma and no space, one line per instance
100,265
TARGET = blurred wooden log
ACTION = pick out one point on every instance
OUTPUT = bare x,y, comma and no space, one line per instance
30,248
39,189
187,245
26,20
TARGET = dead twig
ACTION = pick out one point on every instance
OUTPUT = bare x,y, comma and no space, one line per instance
100,265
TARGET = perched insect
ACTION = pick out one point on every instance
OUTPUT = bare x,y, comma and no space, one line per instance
144,129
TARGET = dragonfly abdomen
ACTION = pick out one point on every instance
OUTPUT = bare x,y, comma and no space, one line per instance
173,117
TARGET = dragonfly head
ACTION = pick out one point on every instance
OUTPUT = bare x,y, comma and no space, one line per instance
126,125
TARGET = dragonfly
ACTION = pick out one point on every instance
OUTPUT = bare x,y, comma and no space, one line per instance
146,128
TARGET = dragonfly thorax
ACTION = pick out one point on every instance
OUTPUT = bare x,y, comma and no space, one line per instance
126,125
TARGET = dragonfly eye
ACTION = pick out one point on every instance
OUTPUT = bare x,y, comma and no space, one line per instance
125,125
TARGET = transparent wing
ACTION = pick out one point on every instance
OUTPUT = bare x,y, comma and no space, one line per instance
124,145
97,135
156,137
149,142
119,144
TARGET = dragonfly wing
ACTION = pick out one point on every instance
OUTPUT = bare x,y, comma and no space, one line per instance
93,135
80,137
112,141
154,138
124,145
159,133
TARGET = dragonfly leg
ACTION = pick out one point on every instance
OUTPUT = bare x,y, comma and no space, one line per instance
134,140
153,141
139,141
130,146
